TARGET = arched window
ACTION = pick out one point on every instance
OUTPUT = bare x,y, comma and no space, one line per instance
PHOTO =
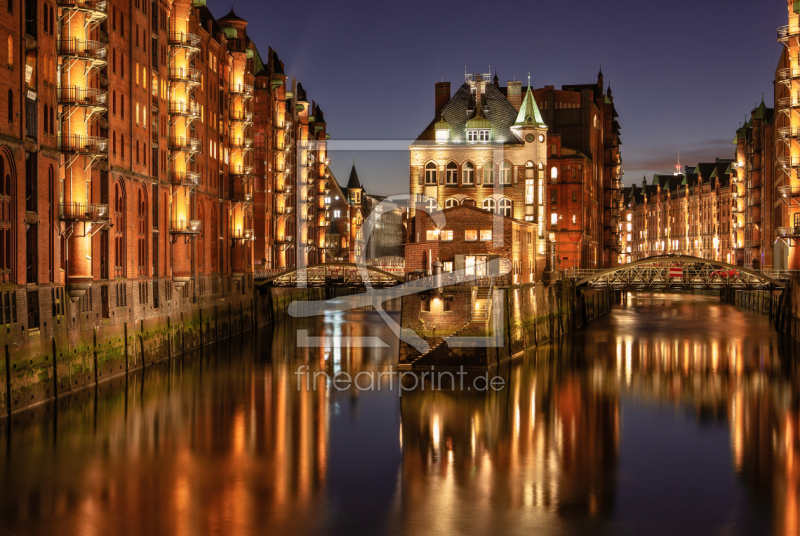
489,204
488,173
114,102
122,106
505,173
142,221
554,174
451,174
553,150
467,174
10,104
450,203
6,222
504,207
44,18
468,201
10,51
51,20
431,205
529,170
430,173
46,125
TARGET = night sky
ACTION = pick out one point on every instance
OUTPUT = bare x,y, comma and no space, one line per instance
683,73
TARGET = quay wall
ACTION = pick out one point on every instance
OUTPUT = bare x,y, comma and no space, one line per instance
782,306
524,316
82,344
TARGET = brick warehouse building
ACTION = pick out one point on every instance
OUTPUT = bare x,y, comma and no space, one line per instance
545,156
150,159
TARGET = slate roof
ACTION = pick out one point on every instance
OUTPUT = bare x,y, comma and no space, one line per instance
461,108
232,17
353,181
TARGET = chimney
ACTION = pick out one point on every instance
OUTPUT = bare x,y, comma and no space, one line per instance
442,96
514,94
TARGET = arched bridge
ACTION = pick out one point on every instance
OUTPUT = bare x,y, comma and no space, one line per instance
679,272
343,274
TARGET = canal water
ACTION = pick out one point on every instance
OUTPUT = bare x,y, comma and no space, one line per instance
674,414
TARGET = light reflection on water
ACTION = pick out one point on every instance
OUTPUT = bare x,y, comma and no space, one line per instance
674,414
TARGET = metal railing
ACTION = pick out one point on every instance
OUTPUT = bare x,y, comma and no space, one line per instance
788,132
184,178
86,212
789,191
184,108
789,161
184,39
82,96
242,170
185,226
241,89
186,74
74,143
82,48
788,102
184,143
88,5
241,116
243,234
786,32
788,73
788,232
241,143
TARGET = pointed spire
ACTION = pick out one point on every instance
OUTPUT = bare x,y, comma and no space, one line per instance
529,114
353,182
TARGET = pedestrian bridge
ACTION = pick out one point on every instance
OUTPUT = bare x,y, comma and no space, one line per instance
343,274
678,272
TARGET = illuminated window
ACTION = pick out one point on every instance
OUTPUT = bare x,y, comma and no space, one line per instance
447,266
488,173
430,173
430,235
504,207
451,174
475,135
471,236
554,174
505,173
554,219
468,174
447,236
486,235
573,218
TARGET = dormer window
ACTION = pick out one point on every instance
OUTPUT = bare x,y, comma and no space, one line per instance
478,135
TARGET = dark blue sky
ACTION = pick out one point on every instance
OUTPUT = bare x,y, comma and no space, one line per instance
684,73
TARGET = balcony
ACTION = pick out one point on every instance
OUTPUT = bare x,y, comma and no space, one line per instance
285,210
736,209
241,116
788,162
87,97
788,103
184,178
83,145
82,212
754,201
243,234
185,226
241,170
241,143
185,74
788,74
183,143
785,133
187,109
186,40
95,10
242,89
286,239
83,49
788,232
787,32
788,191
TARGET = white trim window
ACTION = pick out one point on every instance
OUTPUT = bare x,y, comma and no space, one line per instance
451,174
505,207
489,205
488,173
451,202
479,135
430,173
505,173
467,174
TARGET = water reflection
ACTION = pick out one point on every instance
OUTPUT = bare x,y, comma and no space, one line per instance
673,414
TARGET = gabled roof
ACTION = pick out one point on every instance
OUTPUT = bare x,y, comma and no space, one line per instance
462,107
232,17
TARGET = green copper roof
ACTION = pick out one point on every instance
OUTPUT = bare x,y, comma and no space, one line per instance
714,174
442,125
478,121
729,171
655,180
684,182
529,115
